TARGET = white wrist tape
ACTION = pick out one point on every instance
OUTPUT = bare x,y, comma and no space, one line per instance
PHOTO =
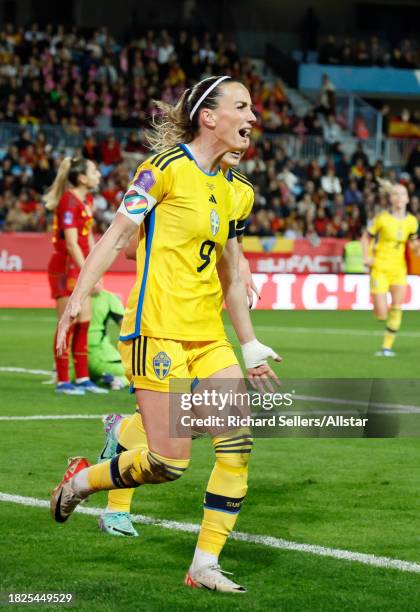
256,354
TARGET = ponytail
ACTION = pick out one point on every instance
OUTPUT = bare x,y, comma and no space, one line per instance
54,193
68,171
385,186
171,125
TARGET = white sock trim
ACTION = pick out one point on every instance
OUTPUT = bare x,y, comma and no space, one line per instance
202,558
80,483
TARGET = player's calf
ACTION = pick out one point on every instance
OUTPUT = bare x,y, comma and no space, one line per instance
142,466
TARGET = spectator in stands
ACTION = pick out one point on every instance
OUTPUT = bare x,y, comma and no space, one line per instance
327,99
413,161
110,154
353,195
329,52
329,182
375,52
331,130
90,149
359,154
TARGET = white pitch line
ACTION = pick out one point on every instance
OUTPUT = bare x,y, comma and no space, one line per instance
330,331
273,329
268,541
24,370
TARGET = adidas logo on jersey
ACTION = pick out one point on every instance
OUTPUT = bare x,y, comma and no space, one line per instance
212,199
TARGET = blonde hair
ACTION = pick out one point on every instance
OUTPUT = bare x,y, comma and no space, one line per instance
68,171
385,186
173,125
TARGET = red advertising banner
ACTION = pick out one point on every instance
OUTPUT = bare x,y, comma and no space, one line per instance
22,251
30,251
278,291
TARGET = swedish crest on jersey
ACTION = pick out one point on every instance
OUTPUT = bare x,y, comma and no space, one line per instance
214,222
162,365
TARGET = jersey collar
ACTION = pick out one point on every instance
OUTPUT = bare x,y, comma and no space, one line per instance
190,156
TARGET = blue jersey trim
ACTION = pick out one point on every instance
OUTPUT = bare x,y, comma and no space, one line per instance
129,337
190,156
149,224
220,510
150,228
195,383
229,175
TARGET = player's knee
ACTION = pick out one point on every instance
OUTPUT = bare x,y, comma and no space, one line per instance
164,469
233,453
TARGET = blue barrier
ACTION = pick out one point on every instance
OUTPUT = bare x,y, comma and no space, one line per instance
360,80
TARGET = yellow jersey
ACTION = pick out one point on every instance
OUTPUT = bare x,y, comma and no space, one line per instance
189,216
391,235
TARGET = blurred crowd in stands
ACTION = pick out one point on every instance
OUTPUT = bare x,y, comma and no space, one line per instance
67,78
334,197
92,85
371,52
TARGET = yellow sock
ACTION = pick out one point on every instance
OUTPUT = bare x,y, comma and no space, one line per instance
131,435
226,491
99,476
393,324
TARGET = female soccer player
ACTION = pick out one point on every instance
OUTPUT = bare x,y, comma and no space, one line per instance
388,269
172,328
128,433
70,199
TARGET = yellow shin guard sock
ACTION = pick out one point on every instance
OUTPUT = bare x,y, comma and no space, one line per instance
393,324
226,491
132,435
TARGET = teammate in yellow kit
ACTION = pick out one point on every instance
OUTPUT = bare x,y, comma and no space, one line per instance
126,434
172,329
389,232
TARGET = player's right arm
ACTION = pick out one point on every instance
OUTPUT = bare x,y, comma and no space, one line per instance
68,215
72,246
366,239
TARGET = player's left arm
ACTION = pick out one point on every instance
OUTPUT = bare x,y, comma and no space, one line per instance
244,268
246,275
254,353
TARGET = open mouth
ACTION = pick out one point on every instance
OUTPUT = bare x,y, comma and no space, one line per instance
244,132
236,154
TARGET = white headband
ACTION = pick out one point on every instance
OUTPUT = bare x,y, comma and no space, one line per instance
206,93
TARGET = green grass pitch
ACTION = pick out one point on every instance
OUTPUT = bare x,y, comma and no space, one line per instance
353,494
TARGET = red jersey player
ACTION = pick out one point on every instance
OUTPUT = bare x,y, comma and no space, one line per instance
70,199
